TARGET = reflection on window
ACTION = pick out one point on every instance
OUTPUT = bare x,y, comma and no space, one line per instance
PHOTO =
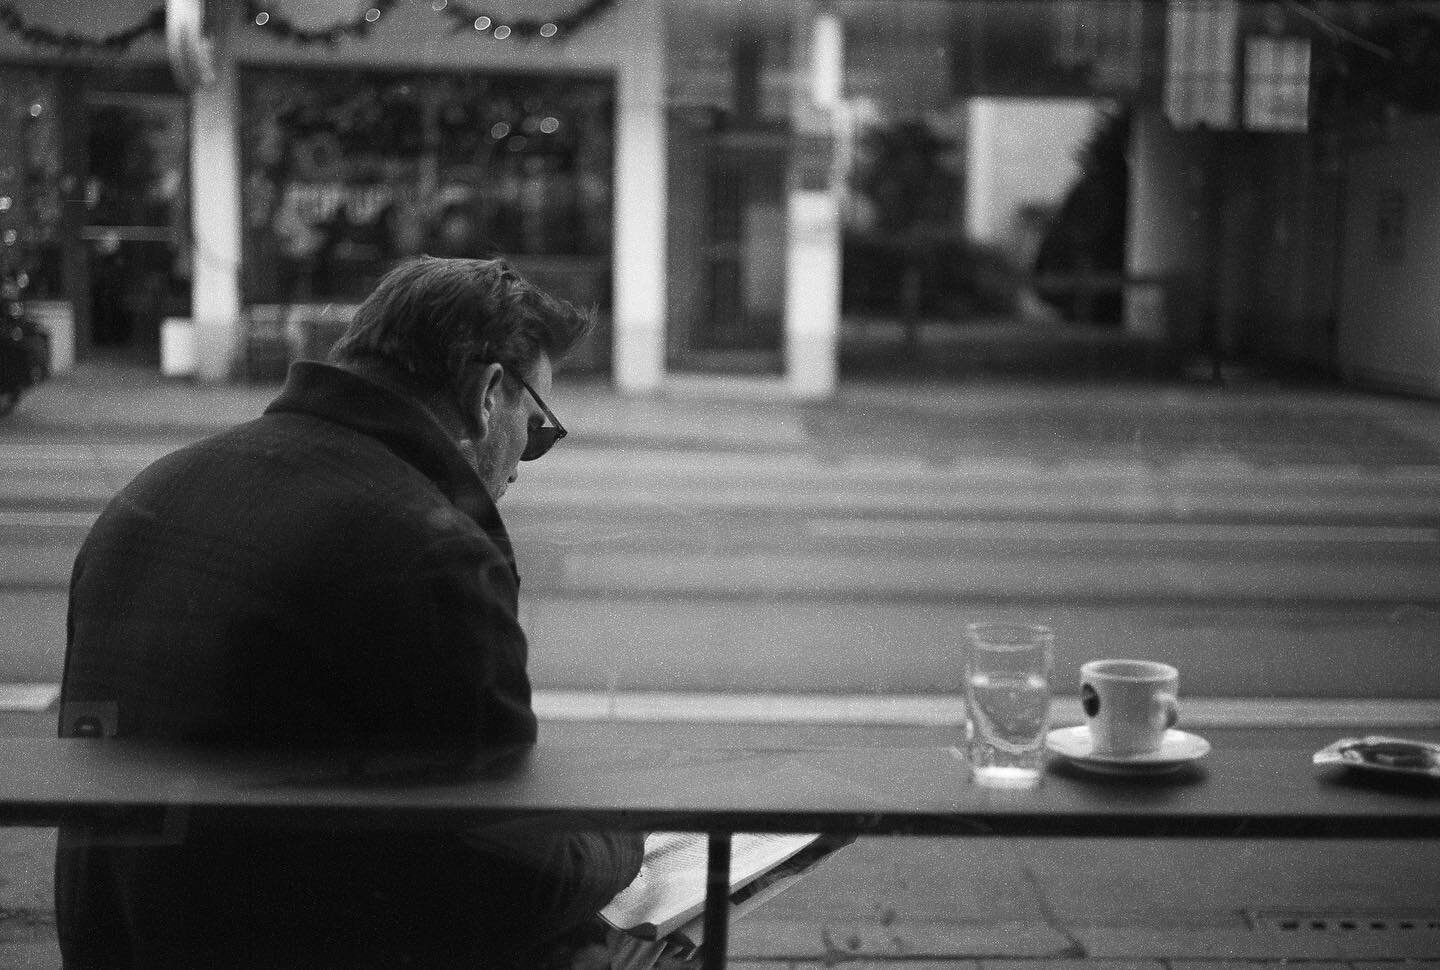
1200,61
1277,83
30,210
136,157
348,171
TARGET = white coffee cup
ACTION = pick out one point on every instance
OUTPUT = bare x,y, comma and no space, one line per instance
1129,704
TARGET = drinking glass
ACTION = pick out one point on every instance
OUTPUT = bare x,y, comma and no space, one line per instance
1007,700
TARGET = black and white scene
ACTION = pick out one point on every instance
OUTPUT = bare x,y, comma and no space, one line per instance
687,484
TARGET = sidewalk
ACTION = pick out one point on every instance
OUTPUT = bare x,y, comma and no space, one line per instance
1098,400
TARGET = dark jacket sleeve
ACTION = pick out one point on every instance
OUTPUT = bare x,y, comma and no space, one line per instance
432,650
561,869
466,669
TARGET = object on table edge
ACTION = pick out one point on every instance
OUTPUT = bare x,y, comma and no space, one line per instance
667,898
1383,754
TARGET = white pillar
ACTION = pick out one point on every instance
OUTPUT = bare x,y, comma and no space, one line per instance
812,294
640,202
980,169
813,243
215,216
827,59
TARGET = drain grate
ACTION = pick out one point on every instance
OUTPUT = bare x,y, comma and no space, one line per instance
1389,921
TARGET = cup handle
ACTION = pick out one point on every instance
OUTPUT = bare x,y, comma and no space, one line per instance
1170,707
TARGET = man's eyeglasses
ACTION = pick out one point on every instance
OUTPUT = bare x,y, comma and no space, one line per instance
539,439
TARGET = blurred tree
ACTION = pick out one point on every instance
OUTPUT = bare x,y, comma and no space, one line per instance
908,255
1086,238
1382,63
904,174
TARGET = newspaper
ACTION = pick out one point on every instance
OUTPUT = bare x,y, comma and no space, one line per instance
669,892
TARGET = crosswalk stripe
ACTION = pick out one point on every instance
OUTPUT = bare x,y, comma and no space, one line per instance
857,528
925,710
28,697
905,710
853,527
47,519
581,461
1028,574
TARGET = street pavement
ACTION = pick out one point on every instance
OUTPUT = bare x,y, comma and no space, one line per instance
796,573
727,540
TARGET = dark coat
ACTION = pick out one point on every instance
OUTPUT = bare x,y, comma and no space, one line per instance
332,572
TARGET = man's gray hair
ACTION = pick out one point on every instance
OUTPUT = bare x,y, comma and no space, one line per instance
438,320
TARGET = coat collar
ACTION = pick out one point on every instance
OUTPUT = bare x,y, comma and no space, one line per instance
401,423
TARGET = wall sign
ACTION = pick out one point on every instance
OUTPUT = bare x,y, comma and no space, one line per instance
1277,83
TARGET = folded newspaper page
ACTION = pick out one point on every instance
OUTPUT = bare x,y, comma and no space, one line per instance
669,892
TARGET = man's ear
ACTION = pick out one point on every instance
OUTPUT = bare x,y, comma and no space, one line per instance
485,392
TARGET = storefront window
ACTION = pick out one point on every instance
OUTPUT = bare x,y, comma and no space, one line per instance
967,130
30,184
730,140
348,171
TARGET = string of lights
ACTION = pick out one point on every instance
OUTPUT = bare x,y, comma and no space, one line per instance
462,16
465,16
268,18
265,15
69,42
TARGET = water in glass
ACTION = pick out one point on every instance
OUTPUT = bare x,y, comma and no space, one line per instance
1007,701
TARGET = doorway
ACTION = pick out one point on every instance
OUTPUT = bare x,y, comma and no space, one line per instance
134,233
727,242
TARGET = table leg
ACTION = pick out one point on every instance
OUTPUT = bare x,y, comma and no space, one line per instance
717,902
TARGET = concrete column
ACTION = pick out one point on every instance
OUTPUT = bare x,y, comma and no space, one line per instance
640,202
215,218
812,294
980,168
813,243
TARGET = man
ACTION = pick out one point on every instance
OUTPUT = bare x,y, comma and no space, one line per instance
335,572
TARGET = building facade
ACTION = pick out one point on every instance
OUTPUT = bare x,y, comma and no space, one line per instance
210,187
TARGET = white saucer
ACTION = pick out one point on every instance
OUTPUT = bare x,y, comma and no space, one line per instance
1177,750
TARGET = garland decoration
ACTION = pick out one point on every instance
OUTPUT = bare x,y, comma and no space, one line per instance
68,42
465,16
262,15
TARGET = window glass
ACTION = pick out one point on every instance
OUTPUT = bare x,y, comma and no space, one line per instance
30,180
1113,316
348,171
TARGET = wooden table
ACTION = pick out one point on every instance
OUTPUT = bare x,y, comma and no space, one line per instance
1251,792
